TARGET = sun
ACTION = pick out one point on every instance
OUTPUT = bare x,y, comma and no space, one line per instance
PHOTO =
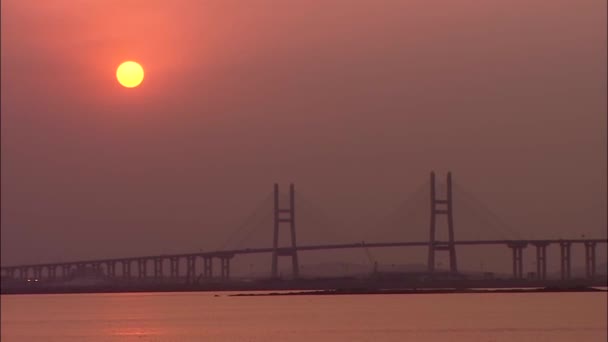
130,74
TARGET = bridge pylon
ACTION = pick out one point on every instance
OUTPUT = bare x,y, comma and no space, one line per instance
442,207
284,216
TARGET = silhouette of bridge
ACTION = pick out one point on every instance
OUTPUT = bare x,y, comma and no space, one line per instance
182,267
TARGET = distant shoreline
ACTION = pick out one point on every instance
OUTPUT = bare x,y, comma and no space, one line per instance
316,286
237,292
417,291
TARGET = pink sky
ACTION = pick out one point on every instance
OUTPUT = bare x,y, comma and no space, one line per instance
355,101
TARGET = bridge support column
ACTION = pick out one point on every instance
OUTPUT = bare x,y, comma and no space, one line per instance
225,266
174,267
158,267
24,272
518,263
142,269
190,269
126,269
565,259
80,268
10,273
590,259
207,267
52,272
111,269
37,272
442,207
44,272
96,268
65,271
291,219
541,260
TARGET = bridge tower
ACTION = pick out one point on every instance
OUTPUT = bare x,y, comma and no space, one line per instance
284,216
442,207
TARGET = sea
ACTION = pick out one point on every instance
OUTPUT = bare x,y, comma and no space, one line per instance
222,317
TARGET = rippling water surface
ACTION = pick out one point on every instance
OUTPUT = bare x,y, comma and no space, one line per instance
188,317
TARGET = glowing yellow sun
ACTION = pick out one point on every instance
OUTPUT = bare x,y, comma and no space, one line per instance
130,74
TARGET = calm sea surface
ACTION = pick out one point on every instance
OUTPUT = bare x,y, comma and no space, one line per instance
187,317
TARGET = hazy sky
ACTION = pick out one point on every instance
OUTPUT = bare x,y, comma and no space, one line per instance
354,101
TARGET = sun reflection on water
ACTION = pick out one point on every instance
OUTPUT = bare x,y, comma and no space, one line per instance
135,332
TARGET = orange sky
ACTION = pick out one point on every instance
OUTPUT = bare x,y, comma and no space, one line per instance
354,101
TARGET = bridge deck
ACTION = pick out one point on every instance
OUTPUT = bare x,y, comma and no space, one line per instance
231,253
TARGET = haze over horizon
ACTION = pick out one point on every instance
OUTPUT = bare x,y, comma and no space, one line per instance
354,102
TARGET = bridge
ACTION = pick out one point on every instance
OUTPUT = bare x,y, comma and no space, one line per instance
183,267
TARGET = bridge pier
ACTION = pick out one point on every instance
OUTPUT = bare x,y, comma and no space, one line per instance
158,267
142,269
541,259
126,269
174,267
207,267
291,219
65,271
96,266
44,272
590,259
10,272
518,263
80,268
24,272
190,269
52,272
565,259
111,269
225,266
37,272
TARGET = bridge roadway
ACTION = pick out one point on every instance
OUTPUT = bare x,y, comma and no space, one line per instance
226,255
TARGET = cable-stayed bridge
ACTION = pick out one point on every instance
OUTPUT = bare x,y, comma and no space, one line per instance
199,266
